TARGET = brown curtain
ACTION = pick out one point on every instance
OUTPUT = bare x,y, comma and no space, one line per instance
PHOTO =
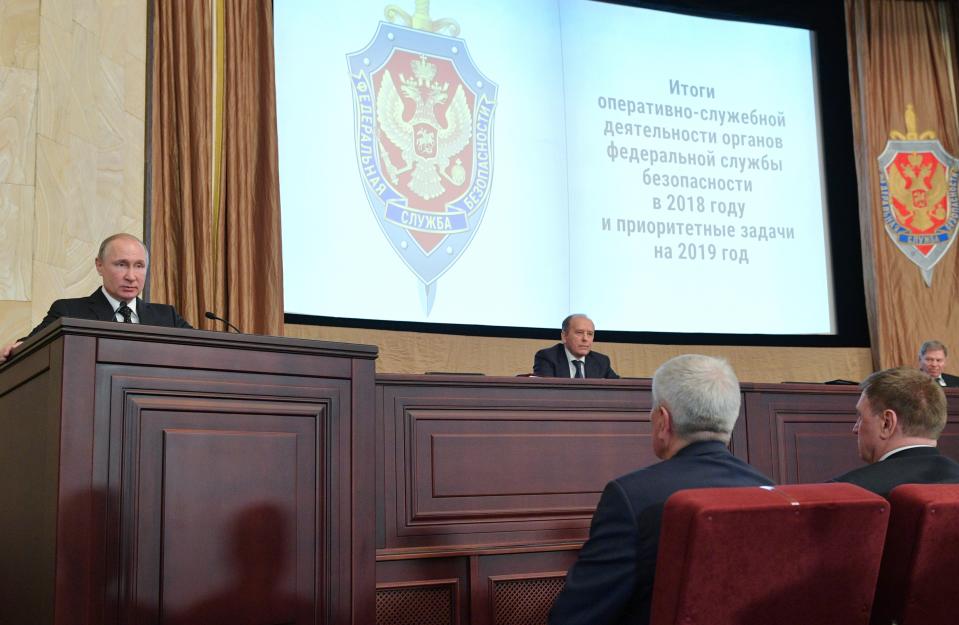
215,209
902,52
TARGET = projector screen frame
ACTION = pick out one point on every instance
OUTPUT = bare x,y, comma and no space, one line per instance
826,20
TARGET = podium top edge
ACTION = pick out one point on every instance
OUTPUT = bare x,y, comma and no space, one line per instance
188,336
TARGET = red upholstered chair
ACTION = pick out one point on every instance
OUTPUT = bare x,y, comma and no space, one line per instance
805,554
919,577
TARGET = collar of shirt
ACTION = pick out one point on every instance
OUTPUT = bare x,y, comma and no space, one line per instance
115,303
898,449
569,361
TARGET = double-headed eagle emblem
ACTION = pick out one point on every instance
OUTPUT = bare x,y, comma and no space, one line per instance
918,187
426,146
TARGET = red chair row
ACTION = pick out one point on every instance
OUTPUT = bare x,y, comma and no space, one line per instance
809,554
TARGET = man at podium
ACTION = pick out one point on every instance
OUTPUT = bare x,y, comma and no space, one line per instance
122,264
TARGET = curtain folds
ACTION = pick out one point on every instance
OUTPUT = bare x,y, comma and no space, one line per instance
902,54
215,209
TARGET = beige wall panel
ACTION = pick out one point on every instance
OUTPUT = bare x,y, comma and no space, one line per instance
48,285
84,86
56,46
136,28
53,208
412,352
123,29
15,321
86,13
19,33
60,12
18,98
132,184
16,241
134,87
83,140
112,133
83,169
80,274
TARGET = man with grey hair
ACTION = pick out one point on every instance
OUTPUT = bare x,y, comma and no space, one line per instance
122,264
695,406
932,361
900,414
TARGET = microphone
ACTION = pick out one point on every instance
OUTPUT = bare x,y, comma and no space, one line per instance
210,315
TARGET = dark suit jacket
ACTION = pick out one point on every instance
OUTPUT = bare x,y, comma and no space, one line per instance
96,307
919,465
950,380
552,363
612,580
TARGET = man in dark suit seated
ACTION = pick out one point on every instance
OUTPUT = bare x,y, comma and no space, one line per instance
122,264
932,361
901,413
573,358
695,406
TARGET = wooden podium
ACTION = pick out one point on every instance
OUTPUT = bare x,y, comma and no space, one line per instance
153,475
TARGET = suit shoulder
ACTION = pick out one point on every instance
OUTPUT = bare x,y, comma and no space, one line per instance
599,356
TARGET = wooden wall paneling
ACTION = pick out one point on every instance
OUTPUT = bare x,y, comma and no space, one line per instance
518,588
503,460
427,591
949,440
802,433
359,582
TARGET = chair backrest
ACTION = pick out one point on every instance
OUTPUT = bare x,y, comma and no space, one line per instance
920,564
798,554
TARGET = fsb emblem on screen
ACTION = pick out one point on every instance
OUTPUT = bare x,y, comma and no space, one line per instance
423,117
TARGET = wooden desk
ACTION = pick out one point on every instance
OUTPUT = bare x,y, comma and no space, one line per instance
485,487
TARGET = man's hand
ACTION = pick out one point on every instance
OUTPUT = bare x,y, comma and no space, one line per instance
8,349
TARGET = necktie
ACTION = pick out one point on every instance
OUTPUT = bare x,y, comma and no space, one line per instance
579,369
125,312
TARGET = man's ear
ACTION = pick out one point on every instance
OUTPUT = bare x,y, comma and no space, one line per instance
888,422
664,424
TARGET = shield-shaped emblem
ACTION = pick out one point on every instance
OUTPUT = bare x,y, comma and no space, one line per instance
424,127
918,186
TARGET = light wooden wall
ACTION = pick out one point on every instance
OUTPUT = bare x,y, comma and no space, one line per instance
72,110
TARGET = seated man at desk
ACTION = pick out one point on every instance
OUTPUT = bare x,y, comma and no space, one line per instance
901,413
932,361
122,264
573,358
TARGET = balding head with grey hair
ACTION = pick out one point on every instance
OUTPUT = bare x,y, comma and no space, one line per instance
702,396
